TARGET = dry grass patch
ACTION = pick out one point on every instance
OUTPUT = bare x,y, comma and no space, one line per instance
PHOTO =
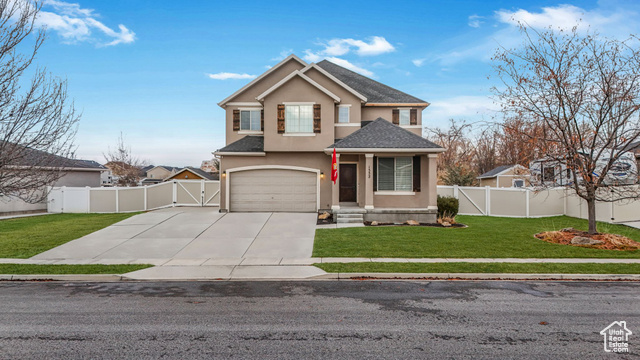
606,241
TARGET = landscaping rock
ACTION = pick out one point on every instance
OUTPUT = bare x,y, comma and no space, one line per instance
581,240
374,223
325,215
446,224
412,222
569,229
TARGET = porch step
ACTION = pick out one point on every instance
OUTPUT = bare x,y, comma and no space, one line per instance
349,218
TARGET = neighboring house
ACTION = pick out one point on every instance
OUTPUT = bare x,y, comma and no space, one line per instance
282,128
161,172
192,173
107,178
209,166
506,176
634,148
77,173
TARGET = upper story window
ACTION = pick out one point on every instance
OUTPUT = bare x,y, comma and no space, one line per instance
404,117
250,120
343,113
395,173
298,118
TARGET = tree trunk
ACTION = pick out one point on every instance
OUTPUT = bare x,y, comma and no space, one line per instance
591,206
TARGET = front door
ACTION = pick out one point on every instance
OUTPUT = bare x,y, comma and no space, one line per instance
348,182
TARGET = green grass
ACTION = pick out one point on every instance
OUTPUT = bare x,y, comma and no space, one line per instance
28,236
463,267
31,269
486,237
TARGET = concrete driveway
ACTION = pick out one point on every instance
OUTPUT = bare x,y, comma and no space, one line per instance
196,235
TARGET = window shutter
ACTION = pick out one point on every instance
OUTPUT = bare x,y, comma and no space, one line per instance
375,173
413,117
316,118
280,118
236,120
395,116
416,173
262,120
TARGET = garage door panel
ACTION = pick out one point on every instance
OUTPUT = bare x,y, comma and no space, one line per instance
273,190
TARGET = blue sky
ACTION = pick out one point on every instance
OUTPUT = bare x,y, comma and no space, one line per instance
155,70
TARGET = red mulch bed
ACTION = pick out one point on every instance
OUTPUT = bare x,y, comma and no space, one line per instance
611,241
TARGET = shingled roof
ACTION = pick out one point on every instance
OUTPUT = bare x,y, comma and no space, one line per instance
382,134
25,156
248,143
374,91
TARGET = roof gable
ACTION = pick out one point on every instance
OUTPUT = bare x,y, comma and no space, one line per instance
291,57
374,91
382,134
302,76
334,79
197,172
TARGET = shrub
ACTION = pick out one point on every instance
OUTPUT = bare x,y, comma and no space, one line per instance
447,206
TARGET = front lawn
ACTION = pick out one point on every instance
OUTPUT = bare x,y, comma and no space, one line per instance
486,237
28,236
31,269
465,267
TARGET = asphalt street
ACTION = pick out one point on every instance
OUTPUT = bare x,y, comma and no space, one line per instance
315,319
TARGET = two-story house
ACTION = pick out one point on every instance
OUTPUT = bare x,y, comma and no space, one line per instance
282,129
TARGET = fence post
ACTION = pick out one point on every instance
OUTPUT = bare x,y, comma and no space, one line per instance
117,201
145,198
62,201
455,191
175,193
88,199
526,201
202,192
487,200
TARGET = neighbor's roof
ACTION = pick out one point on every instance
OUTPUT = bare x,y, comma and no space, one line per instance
33,157
382,134
248,143
374,91
203,174
495,172
632,146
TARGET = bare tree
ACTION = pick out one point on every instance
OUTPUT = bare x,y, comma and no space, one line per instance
584,92
126,168
37,121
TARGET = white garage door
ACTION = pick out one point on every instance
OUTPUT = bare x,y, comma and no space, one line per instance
273,190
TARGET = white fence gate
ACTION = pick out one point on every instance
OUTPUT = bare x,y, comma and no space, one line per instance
119,199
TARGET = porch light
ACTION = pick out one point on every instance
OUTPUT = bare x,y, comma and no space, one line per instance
224,173
321,175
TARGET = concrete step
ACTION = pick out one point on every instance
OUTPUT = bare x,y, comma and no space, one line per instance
349,221
349,216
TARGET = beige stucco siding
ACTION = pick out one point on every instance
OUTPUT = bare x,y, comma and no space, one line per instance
75,178
385,112
313,160
488,182
298,90
505,180
346,97
419,200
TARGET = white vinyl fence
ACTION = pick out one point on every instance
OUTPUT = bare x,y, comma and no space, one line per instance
517,202
127,199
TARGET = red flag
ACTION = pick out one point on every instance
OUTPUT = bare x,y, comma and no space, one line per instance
334,167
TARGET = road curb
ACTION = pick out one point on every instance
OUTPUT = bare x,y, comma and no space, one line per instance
64,277
475,276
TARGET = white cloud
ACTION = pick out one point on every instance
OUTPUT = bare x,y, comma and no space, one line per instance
461,107
311,56
418,62
346,64
376,45
475,21
227,76
283,54
75,24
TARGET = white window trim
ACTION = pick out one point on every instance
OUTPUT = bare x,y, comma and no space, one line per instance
285,119
241,132
348,106
411,126
250,132
348,124
393,192
407,109
513,183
